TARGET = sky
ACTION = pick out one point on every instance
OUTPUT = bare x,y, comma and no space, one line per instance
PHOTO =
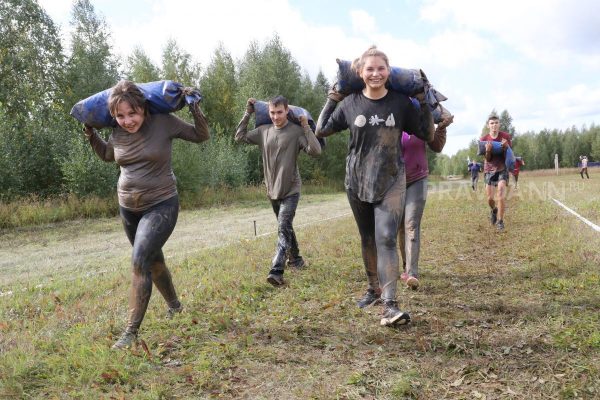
539,60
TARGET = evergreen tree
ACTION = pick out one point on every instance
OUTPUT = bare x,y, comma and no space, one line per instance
263,73
219,88
140,68
91,67
178,65
506,123
31,80
269,71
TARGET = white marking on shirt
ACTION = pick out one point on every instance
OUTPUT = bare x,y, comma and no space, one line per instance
375,120
360,121
390,120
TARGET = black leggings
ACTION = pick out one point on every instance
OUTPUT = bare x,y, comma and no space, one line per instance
378,227
147,232
287,244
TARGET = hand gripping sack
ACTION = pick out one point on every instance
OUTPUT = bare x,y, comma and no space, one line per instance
509,157
163,97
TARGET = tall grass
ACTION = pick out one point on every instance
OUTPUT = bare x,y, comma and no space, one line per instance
35,211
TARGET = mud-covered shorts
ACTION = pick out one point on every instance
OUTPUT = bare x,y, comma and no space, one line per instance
492,178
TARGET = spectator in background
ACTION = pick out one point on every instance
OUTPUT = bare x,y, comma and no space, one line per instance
584,166
474,168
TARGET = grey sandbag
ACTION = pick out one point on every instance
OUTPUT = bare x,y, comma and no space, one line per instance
261,115
163,97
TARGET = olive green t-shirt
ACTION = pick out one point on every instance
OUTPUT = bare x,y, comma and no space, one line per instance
144,158
280,148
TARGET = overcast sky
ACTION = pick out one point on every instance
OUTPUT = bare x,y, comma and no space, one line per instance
540,60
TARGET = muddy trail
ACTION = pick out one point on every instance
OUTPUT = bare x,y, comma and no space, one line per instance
77,248
70,250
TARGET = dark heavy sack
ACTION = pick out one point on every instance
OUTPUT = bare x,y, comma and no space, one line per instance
409,82
261,115
162,96
509,157
406,81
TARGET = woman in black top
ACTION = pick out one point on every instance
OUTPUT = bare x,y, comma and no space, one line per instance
375,180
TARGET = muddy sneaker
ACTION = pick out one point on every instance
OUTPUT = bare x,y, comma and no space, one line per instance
500,225
392,315
172,311
275,279
412,283
494,216
126,340
369,298
298,263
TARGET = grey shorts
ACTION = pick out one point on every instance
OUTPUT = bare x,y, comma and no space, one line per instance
492,178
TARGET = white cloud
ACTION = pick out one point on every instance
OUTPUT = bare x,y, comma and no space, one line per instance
576,102
454,49
56,8
362,22
549,31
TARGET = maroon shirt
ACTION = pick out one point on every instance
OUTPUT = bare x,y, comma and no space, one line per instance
497,162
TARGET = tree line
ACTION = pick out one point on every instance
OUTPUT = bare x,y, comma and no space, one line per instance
42,150
536,148
43,153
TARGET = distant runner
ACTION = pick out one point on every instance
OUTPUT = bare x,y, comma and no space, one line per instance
474,169
495,172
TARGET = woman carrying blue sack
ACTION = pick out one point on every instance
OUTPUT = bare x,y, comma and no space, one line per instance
141,145
375,179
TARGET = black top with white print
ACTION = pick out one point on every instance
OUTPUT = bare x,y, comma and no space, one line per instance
374,160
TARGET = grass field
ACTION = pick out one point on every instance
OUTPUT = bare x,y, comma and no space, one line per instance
499,315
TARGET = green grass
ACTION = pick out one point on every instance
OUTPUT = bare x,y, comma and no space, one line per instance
499,315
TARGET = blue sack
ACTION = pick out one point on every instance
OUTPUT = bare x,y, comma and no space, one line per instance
496,148
261,116
406,81
163,97
509,158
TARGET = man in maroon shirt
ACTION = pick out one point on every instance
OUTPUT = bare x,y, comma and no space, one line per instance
495,172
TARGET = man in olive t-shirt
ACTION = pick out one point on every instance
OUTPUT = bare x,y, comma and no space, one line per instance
280,143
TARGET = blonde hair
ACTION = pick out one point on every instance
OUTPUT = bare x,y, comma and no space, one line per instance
126,91
373,51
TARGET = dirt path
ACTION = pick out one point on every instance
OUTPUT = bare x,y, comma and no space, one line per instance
79,248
